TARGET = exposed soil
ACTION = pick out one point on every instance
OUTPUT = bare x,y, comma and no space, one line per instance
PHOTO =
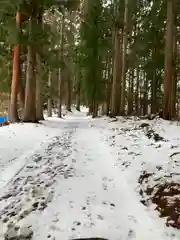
166,196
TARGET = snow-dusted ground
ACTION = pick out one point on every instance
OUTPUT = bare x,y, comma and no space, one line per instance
78,177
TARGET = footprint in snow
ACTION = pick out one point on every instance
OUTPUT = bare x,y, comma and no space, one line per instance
131,234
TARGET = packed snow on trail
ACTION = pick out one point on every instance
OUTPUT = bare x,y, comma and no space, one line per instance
79,177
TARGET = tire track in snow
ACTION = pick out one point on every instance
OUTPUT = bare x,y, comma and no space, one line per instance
31,188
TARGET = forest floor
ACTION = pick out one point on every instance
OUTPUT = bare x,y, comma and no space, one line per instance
80,177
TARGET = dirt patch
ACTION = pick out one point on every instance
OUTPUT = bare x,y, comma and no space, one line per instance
166,197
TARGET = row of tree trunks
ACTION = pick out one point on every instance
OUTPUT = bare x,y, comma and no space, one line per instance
30,97
13,108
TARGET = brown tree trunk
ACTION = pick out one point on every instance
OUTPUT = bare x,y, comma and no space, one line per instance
137,95
49,104
124,58
22,95
78,95
22,79
131,92
116,83
60,83
109,86
174,72
30,96
168,69
60,93
145,95
13,109
154,107
94,109
69,95
39,106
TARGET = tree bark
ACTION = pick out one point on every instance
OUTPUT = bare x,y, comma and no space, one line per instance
124,58
116,76
131,92
168,68
13,109
60,70
69,95
78,95
39,106
60,93
49,104
137,95
30,96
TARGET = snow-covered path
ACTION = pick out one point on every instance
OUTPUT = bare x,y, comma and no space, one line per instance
70,187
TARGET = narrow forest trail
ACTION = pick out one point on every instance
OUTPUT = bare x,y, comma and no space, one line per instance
71,188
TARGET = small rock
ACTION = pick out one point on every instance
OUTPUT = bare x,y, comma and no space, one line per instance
83,208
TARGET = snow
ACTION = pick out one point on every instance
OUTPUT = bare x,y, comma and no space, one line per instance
78,177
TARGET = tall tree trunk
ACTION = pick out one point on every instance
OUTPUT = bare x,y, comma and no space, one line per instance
22,94
49,104
174,72
145,94
39,106
30,96
154,107
168,61
109,86
78,95
117,64
124,58
22,84
137,96
71,16
13,111
116,75
69,95
60,93
60,70
131,92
